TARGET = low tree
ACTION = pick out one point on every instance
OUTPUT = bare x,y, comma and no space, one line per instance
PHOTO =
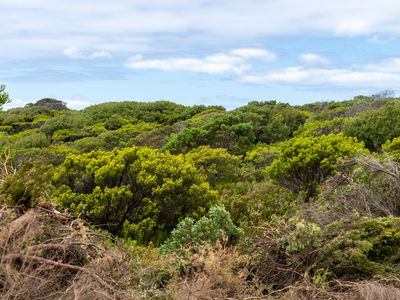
136,192
4,97
375,127
49,103
218,165
305,162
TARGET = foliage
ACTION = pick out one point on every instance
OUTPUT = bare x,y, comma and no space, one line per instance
318,128
49,103
375,127
156,137
263,155
21,119
237,138
368,247
215,226
187,139
114,122
68,120
162,112
34,140
305,162
367,185
28,186
68,135
137,192
274,121
317,212
4,97
218,165
252,203
88,144
350,249
392,148
124,136
329,110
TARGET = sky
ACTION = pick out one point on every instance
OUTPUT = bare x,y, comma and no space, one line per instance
224,52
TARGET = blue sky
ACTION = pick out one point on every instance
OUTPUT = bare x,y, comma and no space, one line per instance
198,51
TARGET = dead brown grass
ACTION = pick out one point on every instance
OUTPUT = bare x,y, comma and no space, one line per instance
216,273
46,255
377,197
382,289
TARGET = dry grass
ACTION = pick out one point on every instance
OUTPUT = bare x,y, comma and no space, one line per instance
376,195
216,273
364,290
46,255
377,198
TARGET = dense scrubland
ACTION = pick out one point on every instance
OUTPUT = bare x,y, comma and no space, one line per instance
132,200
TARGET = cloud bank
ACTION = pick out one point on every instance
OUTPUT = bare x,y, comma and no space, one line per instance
236,61
240,63
33,28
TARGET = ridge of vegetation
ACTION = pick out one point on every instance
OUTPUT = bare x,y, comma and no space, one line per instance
135,200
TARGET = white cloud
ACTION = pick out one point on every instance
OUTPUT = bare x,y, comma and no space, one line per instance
255,53
73,103
236,62
75,53
187,64
312,58
77,103
239,63
388,65
15,103
34,27
384,74
100,54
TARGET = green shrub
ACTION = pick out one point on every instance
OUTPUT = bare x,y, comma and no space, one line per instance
392,148
26,187
124,136
161,112
318,128
68,135
218,165
88,144
252,203
114,122
33,140
368,185
305,162
68,120
375,127
6,129
135,192
186,140
351,249
362,248
214,227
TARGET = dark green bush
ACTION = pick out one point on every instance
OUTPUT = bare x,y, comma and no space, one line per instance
375,127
